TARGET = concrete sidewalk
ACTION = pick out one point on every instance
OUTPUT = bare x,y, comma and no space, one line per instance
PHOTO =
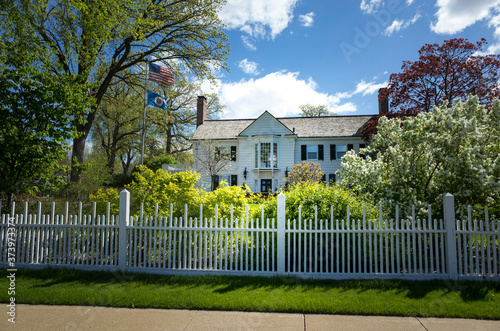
33,317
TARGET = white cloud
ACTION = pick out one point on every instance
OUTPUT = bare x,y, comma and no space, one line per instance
248,43
455,15
409,2
307,20
397,25
281,93
248,67
370,6
368,88
495,23
258,18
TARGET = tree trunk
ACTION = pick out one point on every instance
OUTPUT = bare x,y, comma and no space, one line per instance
168,149
78,152
127,161
111,162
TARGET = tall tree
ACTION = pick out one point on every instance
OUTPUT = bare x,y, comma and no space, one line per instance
118,122
315,111
444,72
101,39
37,116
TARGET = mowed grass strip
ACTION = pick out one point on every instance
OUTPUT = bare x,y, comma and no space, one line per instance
437,298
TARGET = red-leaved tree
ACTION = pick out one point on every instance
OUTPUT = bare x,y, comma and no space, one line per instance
452,70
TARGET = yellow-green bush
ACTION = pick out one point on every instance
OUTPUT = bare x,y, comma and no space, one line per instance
160,187
102,197
324,197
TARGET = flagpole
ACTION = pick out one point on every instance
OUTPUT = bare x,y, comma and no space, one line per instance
144,111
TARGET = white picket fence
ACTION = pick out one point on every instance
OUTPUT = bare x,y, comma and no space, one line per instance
400,248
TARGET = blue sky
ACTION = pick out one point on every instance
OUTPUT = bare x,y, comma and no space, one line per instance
285,53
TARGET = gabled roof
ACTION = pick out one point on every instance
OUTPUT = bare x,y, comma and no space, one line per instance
303,127
267,122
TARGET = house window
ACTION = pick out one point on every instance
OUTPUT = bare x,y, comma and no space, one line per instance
266,185
311,152
256,155
267,159
231,180
341,151
225,153
265,155
331,178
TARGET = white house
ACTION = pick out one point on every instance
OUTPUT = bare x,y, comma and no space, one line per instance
263,150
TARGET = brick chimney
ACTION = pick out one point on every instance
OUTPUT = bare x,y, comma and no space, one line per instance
383,101
201,114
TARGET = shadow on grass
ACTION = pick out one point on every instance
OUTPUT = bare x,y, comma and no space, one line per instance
469,291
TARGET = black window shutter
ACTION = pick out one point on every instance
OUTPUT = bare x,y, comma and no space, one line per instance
331,178
217,153
323,179
215,181
350,147
234,180
320,152
303,152
333,152
233,153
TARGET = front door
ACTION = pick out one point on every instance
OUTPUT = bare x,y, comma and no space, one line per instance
266,185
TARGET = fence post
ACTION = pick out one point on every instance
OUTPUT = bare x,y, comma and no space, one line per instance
451,238
122,234
281,233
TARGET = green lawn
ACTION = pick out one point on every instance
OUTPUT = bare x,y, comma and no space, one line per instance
464,299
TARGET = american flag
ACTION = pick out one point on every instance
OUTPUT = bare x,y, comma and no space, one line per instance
160,74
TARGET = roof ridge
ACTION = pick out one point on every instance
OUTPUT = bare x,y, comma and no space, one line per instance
290,117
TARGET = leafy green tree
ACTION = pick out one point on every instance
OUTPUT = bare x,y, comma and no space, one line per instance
99,40
38,113
449,150
118,124
315,111
304,172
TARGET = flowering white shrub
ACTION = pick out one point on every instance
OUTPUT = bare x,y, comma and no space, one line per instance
449,150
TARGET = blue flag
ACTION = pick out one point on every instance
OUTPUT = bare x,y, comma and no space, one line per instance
156,100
